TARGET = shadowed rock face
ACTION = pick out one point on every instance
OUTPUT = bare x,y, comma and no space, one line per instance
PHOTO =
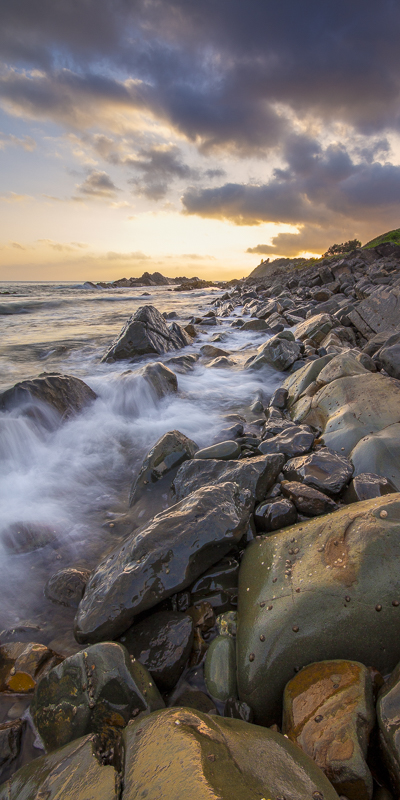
168,452
144,333
388,713
317,604
175,548
187,754
257,474
63,393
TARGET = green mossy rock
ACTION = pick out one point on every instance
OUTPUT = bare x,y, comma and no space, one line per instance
319,590
220,668
182,753
72,773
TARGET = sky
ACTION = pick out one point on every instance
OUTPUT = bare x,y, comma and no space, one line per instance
193,138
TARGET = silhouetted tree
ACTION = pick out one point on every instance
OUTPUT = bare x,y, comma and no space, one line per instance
337,249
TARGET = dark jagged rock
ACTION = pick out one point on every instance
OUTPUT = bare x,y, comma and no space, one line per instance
367,485
65,394
144,333
168,452
307,500
166,556
293,441
257,474
324,470
66,587
10,744
271,515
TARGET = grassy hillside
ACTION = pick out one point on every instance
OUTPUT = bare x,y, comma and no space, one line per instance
390,236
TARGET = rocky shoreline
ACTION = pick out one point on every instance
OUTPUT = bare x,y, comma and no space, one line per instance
243,641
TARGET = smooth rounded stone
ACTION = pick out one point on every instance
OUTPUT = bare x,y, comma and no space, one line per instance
367,485
324,470
210,351
379,453
279,398
227,434
183,753
336,598
366,362
388,714
168,452
389,358
280,352
90,691
222,362
257,475
66,587
146,332
218,585
275,514
220,668
341,366
257,407
329,711
162,643
170,315
315,328
22,664
10,745
307,500
223,450
255,325
166,556
65,394
25,537
297,383
71,773
235,709
293,441
189,697
161,380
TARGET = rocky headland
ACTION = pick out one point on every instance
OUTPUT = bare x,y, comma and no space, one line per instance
272,575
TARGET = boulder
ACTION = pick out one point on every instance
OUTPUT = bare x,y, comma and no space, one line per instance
210,351
367,485
341,366
294,441
160,378
218,586
220,668
297,383
66,587
328,711
168,452
389,358
10,745
72,772
162,643
222,362
166,556
257,474
280,352
337,598
307,500
315,328
324,470
271,515
180,752
94,689
388,713
25,537
22,665
222,450
378,312
144,333
64,394
183,364
255,325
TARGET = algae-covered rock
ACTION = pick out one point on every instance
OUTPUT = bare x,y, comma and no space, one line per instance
388,713
257,474
168,452
166,556
328,710
95,689
72,773
220,668
22,664
182,753
323,589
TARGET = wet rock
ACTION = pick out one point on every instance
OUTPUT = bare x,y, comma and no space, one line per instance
388,713
97,688
168,452
22,664
210,351
279,398
315,328
10,743
73,773
338,597
191,330
328,711
166,556
258,474
221,363
65,394
144,333
220,668
190,697
367,485
257,407
324,470
25,537
223,450
235,709
275,514
218,585
162,643
160,378
227,623
183,364
280,352
185,753
66,587
255,325
293,441
307,500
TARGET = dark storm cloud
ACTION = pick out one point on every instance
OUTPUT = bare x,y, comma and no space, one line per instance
159,166
98,184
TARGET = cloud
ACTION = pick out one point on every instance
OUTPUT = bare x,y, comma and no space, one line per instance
62,247
13,197
17,246
135,256
98,184
9,140
159,166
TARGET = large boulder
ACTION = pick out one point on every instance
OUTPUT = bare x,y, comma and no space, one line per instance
359,418
315,328
64,394
323,589
280,352
166,556
257,474
23,664
90,691
378,312
183,753
72,772
168,452
144,333
161,379
297,383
